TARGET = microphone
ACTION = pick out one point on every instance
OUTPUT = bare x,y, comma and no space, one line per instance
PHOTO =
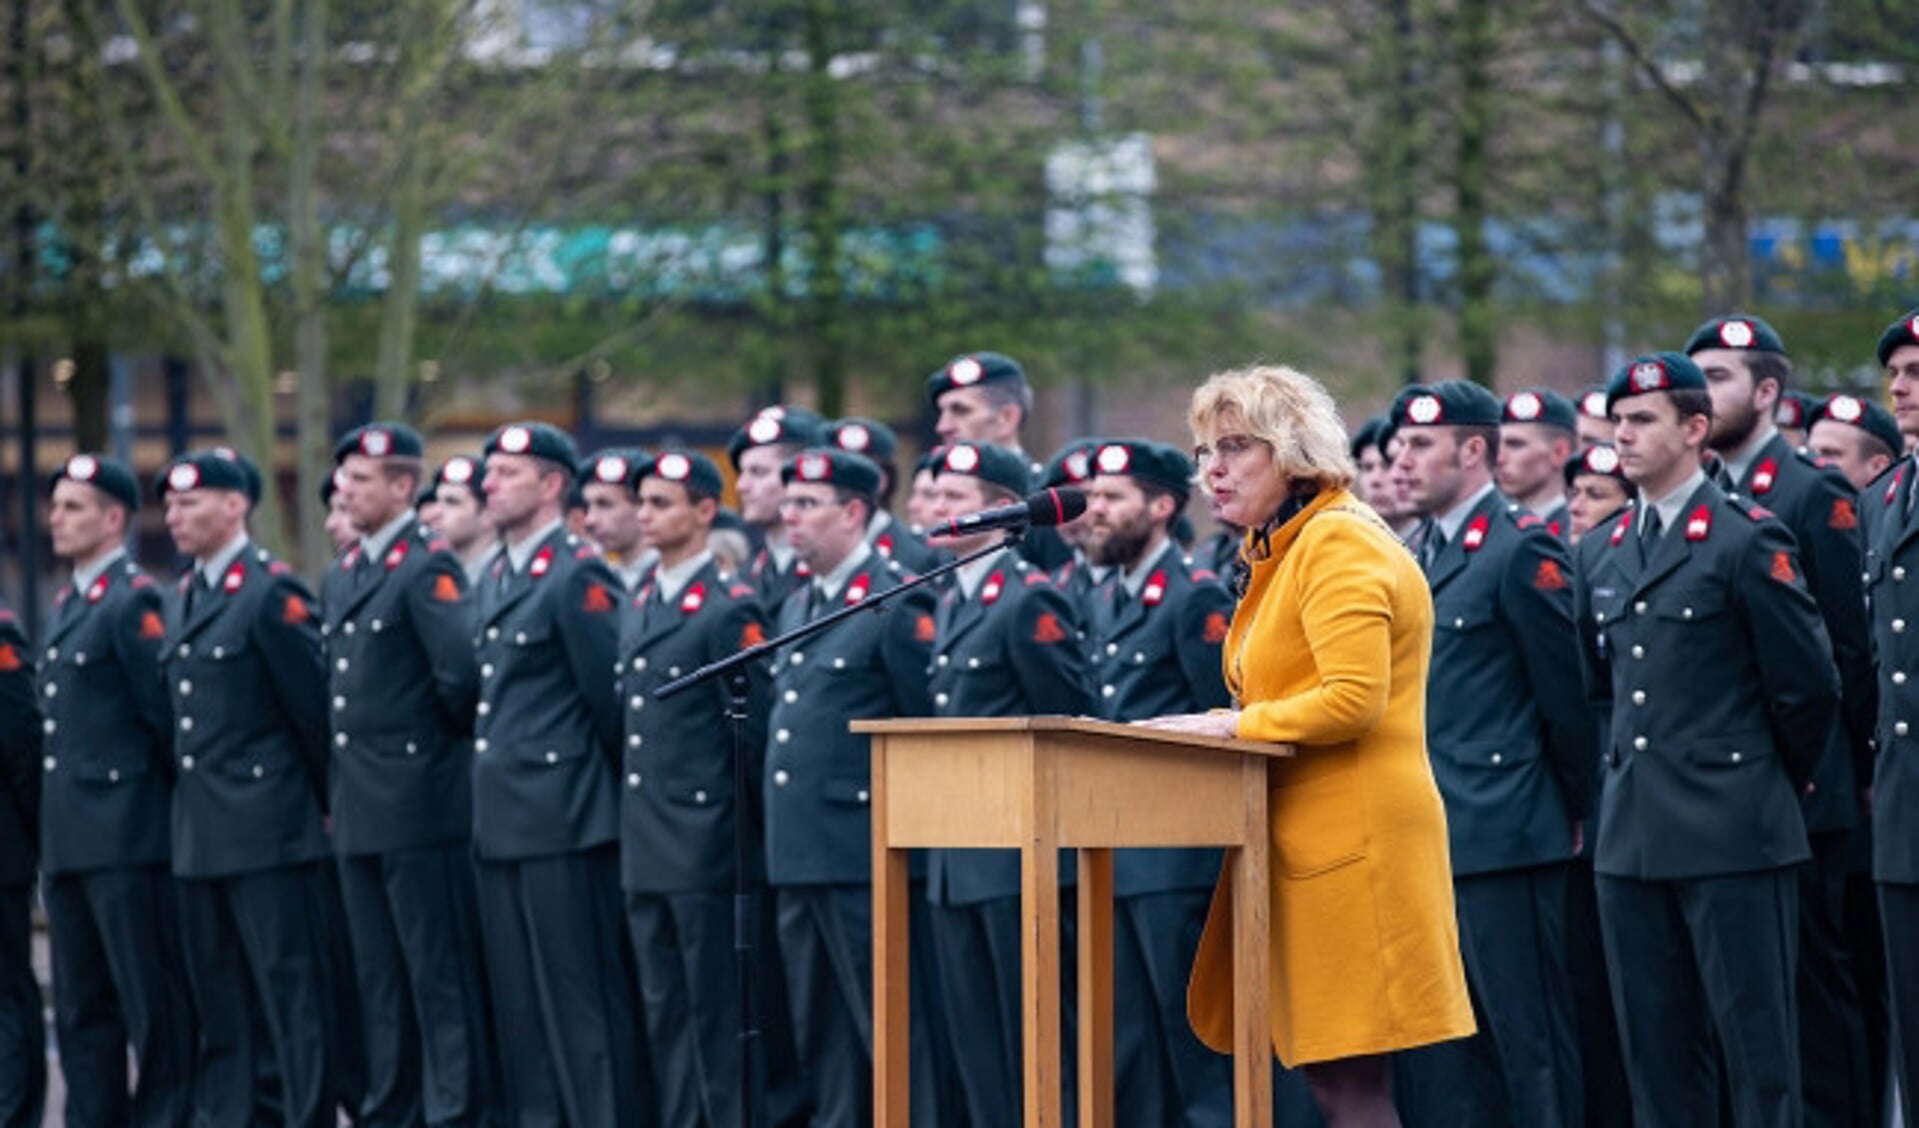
1047,507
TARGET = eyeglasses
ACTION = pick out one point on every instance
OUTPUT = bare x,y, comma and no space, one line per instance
1227,447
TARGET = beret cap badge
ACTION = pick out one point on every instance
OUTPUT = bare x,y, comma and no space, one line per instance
1424,410
674,467
1736,334
1648,375
82,467
375,443
610,469
855,437
459,471
1114,459
965,371
184,476
515,440
1525,407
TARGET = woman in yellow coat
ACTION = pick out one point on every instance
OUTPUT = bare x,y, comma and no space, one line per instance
1328,651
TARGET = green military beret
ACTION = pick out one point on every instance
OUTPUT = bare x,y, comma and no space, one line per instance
930,460
425,497
995,464
1864,414
615,466
108,475
380,440
777,426
460,470
1904,331
249,469
1366,436
971,370
1159,463
690,468
868,437
1070,464
202,470
1449,403
1795,409
1737,331
1600,458
1540,405
833,467
1658,372
538,440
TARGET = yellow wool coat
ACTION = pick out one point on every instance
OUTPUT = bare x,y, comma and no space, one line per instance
1328,650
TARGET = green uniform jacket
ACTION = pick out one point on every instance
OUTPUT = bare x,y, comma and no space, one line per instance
1012,650
1819,507
679,812
1512,739
250,721
547,726
108,783
1719,678
1892,593
403,682
819,826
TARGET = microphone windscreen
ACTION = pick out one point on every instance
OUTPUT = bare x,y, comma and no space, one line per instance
1056,506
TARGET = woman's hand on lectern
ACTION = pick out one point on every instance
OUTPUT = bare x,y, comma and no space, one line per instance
1219,722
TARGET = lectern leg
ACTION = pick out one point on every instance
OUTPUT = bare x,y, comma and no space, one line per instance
1096,989
1252,986
891,1006
1040,998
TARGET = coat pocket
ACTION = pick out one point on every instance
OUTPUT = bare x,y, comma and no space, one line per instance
1318,824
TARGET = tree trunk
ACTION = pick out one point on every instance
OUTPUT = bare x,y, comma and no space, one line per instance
309,275
1395,193
825,218
1472,59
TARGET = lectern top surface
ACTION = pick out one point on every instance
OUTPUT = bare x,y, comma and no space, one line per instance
1088,725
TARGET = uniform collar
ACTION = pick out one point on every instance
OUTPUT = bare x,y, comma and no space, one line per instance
1083,562
1135,578
517,555
630,572
215,566
83,579
780,553
830,584
1741,460
480,562
877,523
1670,505
971,576
375,546
1450,521
669,581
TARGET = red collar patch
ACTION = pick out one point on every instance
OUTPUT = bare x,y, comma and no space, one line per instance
236,575
1762,477
542,563
856,590
1619,530
1155,589
694,597
396,555
1892,491
1475,533
883,544
989,591
1699,524
97,590
351,559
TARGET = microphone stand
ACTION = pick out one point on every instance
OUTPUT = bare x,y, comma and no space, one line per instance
734,669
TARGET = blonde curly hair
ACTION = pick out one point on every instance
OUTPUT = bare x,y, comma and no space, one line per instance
1283,407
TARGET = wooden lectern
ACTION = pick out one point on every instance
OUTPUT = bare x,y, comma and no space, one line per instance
1039,784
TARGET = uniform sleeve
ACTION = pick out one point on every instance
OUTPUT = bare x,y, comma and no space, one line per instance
907,651
1537,599
1790,645
1346,614
588,619
288,636
19,729
441,610
137,641
1199,639
1832,551
1047,655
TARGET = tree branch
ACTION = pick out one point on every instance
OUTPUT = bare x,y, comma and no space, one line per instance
167,94
1599,13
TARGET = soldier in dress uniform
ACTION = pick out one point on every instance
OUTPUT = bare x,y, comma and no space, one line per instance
243,669
23,1031
113,929
1699,828
403,681
613,512
1537,434
679,808
1746,371
1892,590
1856,437
983,397
463,521
757,450
1006,647
1156,632
1072,465
1596,489
546,802
818,785
1595,426
876,442
1513,749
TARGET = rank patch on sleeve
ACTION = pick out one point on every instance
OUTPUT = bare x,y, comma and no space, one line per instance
753,635
446,589
1048,630
151,628
1844,516
1782,567
1215,630
295,612
924,630
1549,577
597,600
9,658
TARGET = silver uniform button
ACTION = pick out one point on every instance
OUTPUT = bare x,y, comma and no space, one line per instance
699,796
1638,651
1898,626
186,688
258,771
185,651
1898,677
113,775
1685,612
484,708
1736,757
672,671
972,663
940,661
221,652
839,663
348,628
633,741
798,657
783,736
633,779
1459,624
791,696
412,748
47,726
49,763
340,739
520,638
1638,697
486,671
480,744
339,703
186,763
79,657
863,796
940,699
492,633
1107,691
639,663
53,654
1639,743
780,778
377,624
1498,758
636,702
53,690
186,724
1899,728
341,665
1898,573
1639,608
1112,648
552,757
